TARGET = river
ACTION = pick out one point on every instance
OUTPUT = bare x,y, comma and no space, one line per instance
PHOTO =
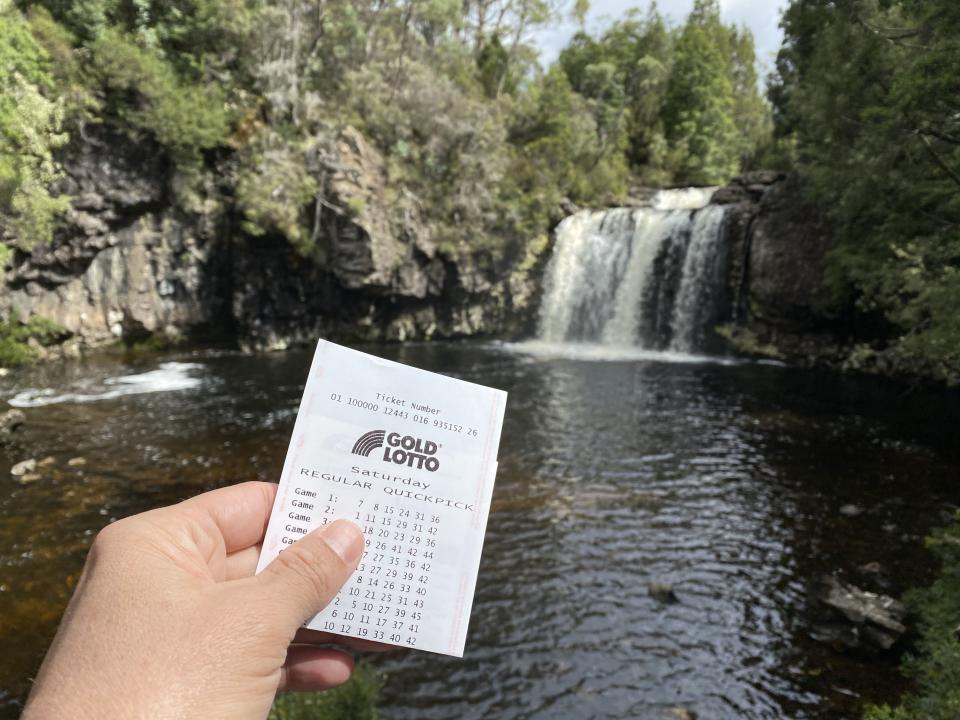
724,479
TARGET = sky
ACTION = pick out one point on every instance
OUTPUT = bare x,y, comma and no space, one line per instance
761,16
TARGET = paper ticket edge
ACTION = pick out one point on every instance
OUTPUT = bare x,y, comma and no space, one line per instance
288,460
469,592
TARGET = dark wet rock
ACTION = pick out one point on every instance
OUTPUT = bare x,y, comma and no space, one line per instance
749,187
874,576
662,592
10,421
840,636
730,195
23,467
786,256
130,262
778,240
125,263
761,177
851,510
569,207
860,618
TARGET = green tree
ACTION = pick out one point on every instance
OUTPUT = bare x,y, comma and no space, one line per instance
688,100
557,153
493,65
751,114
936,667
869,93
639,49
146,92
699,108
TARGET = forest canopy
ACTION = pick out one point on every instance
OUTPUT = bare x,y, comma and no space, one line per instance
451,92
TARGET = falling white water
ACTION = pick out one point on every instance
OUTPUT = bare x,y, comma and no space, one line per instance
697,280
635,277
577,290
651,230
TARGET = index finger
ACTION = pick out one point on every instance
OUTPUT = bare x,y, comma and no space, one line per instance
239,512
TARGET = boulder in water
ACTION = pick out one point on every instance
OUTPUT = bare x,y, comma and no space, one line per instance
10,421
23,467
679,712
662,592
872,619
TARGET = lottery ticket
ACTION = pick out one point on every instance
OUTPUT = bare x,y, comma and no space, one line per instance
410,456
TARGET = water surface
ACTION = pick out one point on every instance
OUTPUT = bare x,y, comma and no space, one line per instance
723,479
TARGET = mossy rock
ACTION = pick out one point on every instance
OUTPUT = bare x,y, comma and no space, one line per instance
19,342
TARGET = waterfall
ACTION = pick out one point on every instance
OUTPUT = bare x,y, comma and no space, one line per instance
636,277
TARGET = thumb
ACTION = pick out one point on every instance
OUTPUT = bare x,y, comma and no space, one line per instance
305,577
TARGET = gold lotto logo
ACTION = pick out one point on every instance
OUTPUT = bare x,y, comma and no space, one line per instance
399,449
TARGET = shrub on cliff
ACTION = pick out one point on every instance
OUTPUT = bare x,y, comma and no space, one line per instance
145,91
21,343
31,119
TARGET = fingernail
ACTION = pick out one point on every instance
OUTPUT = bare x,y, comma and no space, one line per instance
345,539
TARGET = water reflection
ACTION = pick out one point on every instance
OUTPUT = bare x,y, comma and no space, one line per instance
722,480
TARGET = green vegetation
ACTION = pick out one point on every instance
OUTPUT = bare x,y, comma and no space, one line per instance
355,700
867,96
246,100
19,342
148,95
31,117
247,94
684,102
745,342
936,669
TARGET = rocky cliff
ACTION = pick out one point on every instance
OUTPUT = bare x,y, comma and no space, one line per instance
777,243
133,261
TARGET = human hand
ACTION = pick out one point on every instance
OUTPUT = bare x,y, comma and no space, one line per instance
168,619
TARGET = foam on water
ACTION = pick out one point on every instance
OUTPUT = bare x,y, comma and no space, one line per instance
597,352
167,377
